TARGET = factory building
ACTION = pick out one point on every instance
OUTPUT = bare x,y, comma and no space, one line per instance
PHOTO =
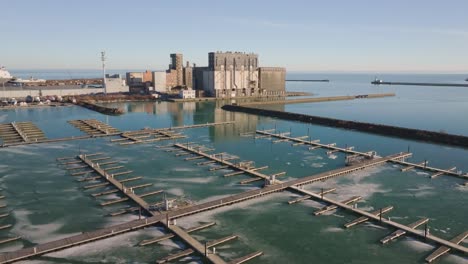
177,65
134,79
115,84
159,81
178,76
271,81
236,74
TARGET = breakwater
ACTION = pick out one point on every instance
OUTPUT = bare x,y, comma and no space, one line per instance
308,80
101,109
420,84
386,130
319,99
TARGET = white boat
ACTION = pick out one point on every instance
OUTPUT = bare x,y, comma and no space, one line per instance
5,76
31,80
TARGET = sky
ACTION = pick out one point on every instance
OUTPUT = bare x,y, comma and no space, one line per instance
313,35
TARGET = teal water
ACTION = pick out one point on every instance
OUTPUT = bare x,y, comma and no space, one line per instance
47,203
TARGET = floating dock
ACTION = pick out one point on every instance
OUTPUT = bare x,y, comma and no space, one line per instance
370,154
20,132
271,186
197,208
93,129
444,249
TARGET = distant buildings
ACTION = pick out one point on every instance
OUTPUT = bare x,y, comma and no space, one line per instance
236,74
228,75
115,84
187,94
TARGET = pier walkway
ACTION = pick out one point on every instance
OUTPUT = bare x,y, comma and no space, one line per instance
167,216
20,132
93,133
350,151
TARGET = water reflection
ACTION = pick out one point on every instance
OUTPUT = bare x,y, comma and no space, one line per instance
201,112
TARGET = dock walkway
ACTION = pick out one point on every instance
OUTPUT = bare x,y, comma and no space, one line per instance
91,133
349,151
164,217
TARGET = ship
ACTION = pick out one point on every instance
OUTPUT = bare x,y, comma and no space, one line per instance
31,80
377,81
5,76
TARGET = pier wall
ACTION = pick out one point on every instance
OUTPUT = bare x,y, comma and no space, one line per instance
101,109
401,132
70,90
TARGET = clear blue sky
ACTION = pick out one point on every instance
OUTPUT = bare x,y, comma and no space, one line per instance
313,35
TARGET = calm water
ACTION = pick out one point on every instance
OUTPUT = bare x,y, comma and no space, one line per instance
47,203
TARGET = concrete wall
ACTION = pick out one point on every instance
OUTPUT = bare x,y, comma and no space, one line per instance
188,77
116,85
236,59
197,78
234,83
272,80
159,81
49,91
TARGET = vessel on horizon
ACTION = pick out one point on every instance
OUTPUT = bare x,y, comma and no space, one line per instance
377,81
5,76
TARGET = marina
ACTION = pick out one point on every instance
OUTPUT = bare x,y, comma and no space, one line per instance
271,187
94,129
348,148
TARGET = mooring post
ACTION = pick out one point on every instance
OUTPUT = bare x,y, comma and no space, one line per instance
380,214
321,194
425,163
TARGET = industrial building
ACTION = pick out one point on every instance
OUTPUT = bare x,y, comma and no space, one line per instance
237,74
115,84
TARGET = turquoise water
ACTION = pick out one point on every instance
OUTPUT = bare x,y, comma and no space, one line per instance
47,203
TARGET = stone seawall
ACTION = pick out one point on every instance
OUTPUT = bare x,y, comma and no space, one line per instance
101,109
393,131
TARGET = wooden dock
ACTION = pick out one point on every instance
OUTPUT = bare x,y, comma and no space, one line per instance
349,151
399,233
20,132
197,208
175,256
167,216
92,129
444,249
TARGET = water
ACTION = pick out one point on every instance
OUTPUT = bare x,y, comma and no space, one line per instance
47,203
